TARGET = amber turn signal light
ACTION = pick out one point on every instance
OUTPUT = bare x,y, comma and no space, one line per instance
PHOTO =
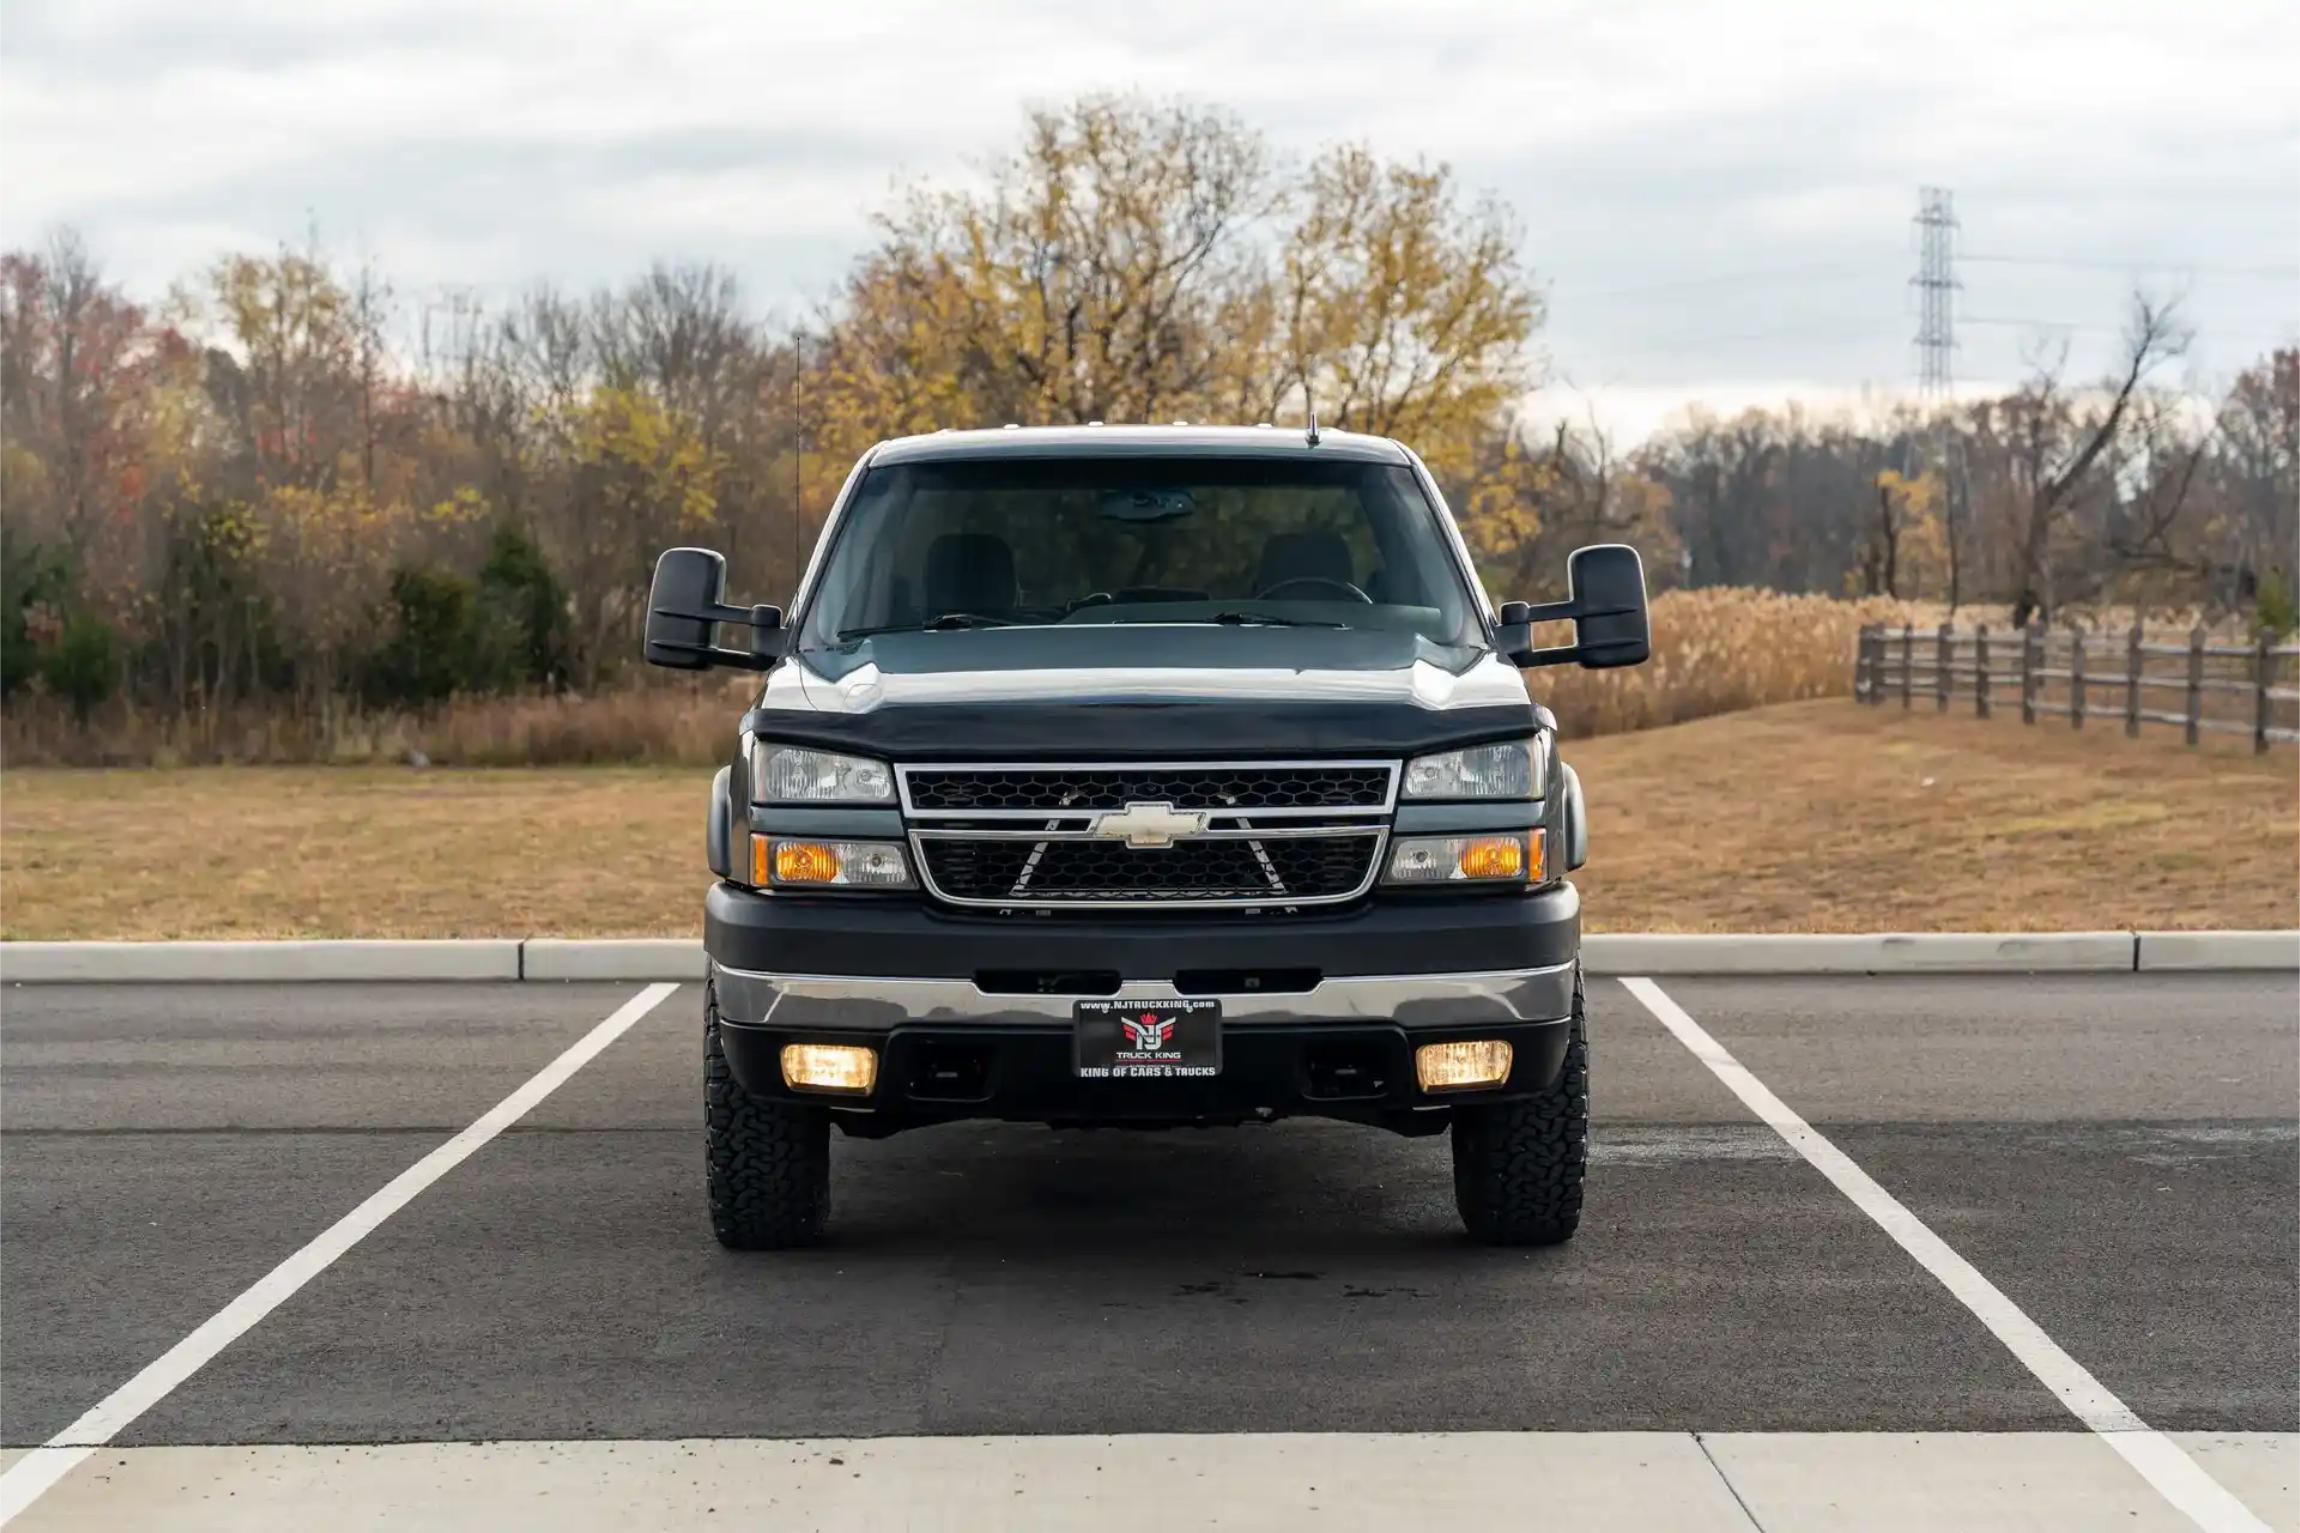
800,862
1493,857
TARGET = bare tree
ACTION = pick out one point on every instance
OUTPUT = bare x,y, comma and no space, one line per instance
2062,442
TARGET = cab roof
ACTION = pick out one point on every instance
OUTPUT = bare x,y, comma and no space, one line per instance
1136,442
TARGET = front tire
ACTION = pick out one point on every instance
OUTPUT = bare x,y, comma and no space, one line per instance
768,1162
1518,1166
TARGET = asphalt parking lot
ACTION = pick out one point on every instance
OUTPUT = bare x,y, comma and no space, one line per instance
2117,1153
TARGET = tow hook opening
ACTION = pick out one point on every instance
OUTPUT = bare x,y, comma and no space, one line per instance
1345,1072
948,1072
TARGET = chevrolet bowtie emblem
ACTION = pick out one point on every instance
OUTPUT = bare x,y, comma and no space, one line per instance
1143,826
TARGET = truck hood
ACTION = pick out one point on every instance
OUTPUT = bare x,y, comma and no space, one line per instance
1189,690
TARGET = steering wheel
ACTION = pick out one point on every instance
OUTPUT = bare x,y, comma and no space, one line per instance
1347,591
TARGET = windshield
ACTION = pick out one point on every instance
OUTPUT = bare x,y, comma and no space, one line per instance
958,544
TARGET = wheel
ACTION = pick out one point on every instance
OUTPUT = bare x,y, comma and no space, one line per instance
768,1163
1518,1166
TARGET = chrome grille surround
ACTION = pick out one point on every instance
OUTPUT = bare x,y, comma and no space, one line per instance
1060,863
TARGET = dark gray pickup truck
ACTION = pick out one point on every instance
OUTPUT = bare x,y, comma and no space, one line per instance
1147,777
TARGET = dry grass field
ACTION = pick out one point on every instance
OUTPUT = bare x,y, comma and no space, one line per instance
1829,816
1817,816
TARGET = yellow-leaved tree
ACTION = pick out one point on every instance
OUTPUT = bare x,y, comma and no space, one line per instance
641,479
1906,552
1135,261
1406,311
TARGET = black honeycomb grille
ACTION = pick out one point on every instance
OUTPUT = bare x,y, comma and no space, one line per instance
1081,872
972,789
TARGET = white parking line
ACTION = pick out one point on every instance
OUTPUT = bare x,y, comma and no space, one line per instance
31,1476
2158,1459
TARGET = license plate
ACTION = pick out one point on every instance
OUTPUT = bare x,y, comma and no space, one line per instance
1147,1040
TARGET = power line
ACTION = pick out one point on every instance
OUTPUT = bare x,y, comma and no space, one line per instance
1721,279
2094,263
2077,324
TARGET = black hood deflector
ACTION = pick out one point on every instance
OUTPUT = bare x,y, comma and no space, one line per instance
1105,692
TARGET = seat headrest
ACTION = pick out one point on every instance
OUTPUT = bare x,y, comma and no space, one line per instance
968,572
1314,555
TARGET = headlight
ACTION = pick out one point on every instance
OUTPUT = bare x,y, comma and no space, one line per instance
793,774
1516,856
803,862
1509,770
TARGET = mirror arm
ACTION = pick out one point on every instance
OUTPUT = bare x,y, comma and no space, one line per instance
1552,612
765,623
740,659
1515,640
1568,611
720,612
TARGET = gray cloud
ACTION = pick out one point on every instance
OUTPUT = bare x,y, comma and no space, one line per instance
1716,195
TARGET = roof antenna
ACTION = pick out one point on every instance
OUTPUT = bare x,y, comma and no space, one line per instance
1310,437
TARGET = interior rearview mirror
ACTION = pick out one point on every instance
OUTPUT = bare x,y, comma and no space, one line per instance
1605,602
686,602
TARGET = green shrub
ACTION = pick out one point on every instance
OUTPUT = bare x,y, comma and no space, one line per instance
517,588
82,665
445,633
30,576
427,655
2274,613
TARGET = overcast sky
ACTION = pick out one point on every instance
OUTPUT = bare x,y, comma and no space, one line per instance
1717,196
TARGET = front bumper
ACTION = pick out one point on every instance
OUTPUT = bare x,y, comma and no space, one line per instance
1305,1030
971,1015
934,1072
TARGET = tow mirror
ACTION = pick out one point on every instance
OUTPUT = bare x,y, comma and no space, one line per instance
1605,602
686,602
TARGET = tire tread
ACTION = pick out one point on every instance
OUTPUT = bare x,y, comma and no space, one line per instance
1518,1167
767,1162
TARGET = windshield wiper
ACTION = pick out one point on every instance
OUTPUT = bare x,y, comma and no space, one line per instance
1246,620
944,623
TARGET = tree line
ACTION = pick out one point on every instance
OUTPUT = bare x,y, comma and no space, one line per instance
285,482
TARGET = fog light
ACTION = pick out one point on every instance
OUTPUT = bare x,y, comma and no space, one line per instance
1451,1066
838,1067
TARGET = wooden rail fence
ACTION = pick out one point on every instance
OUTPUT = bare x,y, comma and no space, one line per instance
2231,688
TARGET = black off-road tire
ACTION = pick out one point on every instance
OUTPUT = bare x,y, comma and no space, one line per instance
1518,1166
769,1163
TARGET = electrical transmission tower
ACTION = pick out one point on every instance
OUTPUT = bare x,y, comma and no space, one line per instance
1936,285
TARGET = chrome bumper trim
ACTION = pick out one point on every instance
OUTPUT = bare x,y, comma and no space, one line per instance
1410,1000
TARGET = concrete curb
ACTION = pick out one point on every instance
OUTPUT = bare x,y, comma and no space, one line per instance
681,958
612,958
1857,952
2218,950
84,962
